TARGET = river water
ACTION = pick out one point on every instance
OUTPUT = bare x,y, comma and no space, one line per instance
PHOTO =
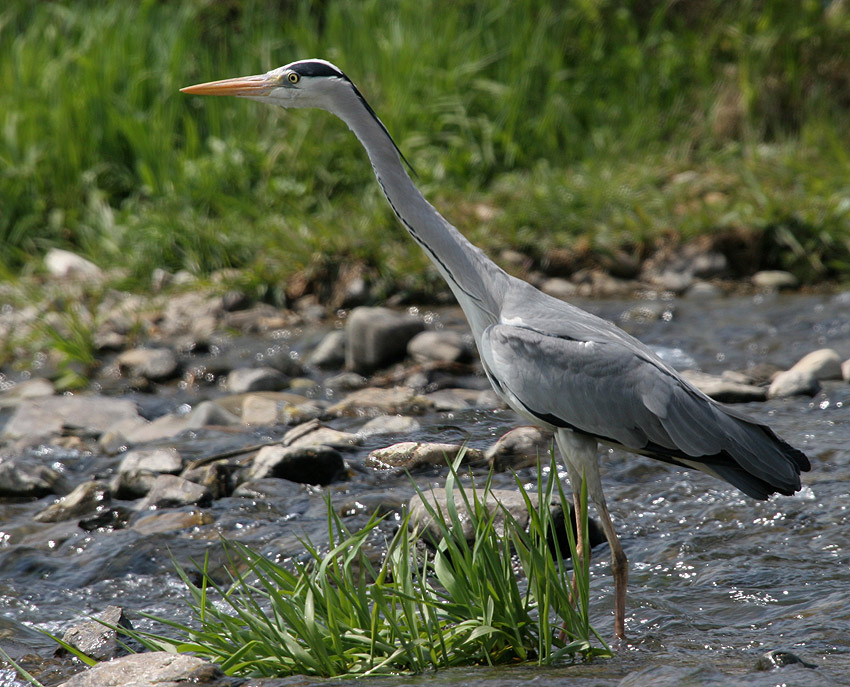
716,579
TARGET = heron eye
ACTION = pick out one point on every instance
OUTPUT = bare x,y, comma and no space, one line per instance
293,77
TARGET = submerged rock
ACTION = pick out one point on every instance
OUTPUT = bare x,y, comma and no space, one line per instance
779,659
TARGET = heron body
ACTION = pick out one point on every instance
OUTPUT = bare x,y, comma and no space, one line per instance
553,363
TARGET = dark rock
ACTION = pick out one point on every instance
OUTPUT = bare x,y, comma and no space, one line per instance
779,659
95,639
107,520
245,379
85,499
414,454
158,668
171,491
304,464
519,448
24,477
376,337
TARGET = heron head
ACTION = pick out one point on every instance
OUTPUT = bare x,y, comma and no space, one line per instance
305,83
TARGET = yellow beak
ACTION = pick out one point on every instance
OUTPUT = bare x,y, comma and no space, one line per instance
244,85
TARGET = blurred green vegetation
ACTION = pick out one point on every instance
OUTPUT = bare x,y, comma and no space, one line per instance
531,124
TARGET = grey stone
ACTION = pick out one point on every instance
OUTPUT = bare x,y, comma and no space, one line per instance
63,264
413,454
774,280
40,417
723,389
520,447
157,668
24,477
331,350
28,389
96,639
345,381
443,345
171,491
845,370
164,427
304,464
793,383
139,470
375,401
159,522
325,436
558,287
155,364
83,500
703,290
376,337
216,476
245,379
823,364
390,424
208,413
453,399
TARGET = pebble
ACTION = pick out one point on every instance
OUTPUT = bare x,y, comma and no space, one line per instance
153,364
171,491
98,640
86,498
443,345
330,353
774,280
304,464
412,454
160,668
519,448
376,337
390,424
139,470
63,264
245,379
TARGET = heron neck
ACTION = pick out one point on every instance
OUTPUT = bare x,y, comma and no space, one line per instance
476,281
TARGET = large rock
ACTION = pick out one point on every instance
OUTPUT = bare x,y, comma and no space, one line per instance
803,379
151,669
376,337
414,454
304,464
42,417
823,364
330,352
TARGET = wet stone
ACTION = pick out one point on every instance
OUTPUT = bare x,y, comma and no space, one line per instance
453,399
374,401
269,488
47,416
25,477
779,659
87,498
793,383
330,352
158,668
304,464
389,424
245,379
171,491
370,504
159,522
210,413
95,639
217,477
520,447
139,470
346,381
154,364
326,436
823,364
164,427
413,454
723,389
439,346
376,337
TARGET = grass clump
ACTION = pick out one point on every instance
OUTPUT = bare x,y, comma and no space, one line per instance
501,598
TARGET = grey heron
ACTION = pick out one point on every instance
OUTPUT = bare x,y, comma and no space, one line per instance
553,363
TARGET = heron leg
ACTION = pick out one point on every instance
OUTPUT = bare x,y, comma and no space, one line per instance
579,453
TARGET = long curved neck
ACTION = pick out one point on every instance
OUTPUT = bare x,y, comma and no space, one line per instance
476,281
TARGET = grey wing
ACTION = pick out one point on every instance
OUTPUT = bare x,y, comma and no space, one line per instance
617,393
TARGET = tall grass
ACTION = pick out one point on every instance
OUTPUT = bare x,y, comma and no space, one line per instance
100,153
503,597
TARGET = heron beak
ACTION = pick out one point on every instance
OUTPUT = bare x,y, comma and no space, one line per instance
258,85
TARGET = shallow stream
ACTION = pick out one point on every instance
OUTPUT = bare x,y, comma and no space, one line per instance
716,579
